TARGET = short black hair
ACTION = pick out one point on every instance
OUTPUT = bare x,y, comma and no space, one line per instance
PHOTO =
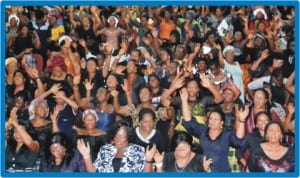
180,137
144,111
112,132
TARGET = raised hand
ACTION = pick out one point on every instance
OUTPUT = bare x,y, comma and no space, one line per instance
54,89
184,94
54,114
83,148
150,152
88,84
205,82
158,158
291,108
13,118
242,113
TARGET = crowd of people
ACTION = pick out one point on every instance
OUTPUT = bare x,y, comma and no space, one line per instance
150,89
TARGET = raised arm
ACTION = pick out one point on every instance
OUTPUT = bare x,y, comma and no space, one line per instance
84,149
207,84
32,145
241,115
187,116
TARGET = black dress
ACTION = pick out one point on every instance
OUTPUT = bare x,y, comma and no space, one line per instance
195,165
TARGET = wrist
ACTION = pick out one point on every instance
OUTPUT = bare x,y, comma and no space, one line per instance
159,165
87,156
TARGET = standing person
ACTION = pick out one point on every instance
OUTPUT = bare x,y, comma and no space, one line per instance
119,155
215,141
21,148
182,158
60,155
272,155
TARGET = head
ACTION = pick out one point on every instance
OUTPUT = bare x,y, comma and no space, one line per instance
112,82
165,55
180,51
90,119
145,95
154,81
135,55
230,92
85,21
120,134
38,108
53,20
59,147
260,99
23,30
228,53
201,64
21,100
91,65
113,21
57,67
147,119
11,65
261,120
215,120
274,132
131,67
102,95
175,37
20,78
211,37
277,77
214,67
193,88
182,144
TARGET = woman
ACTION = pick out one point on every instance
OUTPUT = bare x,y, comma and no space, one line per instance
146,134
215,141
11,66
58,78
41,126
233,67
255,138
272,155
90,133
60,155
260,104
119,155
181,159
21,149
105,111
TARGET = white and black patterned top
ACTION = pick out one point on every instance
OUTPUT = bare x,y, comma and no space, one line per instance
132,161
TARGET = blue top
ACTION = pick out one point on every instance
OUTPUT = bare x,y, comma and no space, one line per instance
216,149
105,120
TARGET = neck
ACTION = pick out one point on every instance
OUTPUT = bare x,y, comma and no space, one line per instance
145,133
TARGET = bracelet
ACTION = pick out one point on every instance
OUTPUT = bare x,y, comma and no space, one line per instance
86,156
36,78
149,161
159,165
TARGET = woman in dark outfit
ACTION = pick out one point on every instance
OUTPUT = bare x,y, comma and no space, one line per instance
215,141
60,155
21,150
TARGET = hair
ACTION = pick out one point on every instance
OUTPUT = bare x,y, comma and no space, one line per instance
64,141
11,142
216,110
180,137
277,73
89,111
112,132
214,63
145,111
267,98
257,115
57,61
267,127
31,108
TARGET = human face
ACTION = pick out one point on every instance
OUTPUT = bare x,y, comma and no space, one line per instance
153,82
214,70
19,102
201,65
90,121
134,55
85,22
229,55
182,150
274,134
102,95
192,89
259,100
24,31
57,151
179,52
164,56
131,68
215,121
145,95
147,123
41,110
91,66
262,121
12,67
57,72
121,140
112,22
228,96
111,82
19,79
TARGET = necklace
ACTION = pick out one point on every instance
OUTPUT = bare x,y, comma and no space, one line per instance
178,169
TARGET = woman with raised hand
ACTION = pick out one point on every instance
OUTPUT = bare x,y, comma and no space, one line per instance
182,157
61,156
21,148
119,155
215,141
